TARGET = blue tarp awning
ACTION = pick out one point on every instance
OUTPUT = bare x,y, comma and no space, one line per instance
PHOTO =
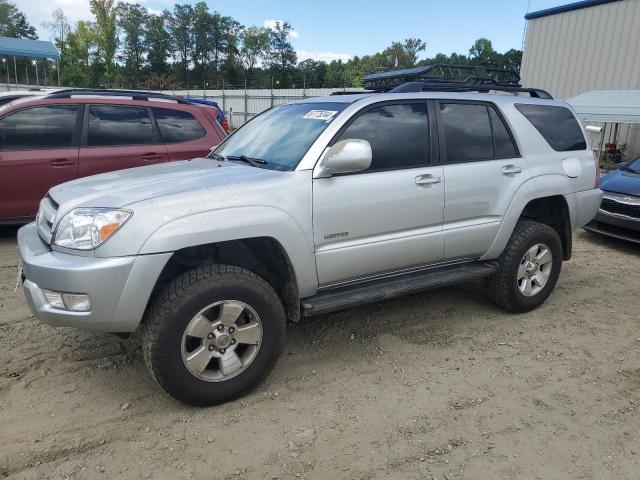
22,47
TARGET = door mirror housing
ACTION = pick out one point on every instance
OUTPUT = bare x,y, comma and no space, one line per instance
346,156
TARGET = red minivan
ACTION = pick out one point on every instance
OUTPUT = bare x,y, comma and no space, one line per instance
69,134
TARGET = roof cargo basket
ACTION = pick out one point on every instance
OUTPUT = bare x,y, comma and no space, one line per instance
450,78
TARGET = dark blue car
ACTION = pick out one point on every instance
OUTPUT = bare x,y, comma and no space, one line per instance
619,213
222,120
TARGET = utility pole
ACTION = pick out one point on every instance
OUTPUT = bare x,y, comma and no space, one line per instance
15,70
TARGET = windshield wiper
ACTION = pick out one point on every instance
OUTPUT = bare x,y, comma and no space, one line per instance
216,156
254,162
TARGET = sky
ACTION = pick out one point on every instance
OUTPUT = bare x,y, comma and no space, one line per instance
330,29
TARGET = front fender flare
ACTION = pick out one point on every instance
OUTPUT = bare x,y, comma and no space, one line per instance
240,223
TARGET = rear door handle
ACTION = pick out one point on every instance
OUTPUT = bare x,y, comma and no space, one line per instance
511,170
61,162
150,157
427,179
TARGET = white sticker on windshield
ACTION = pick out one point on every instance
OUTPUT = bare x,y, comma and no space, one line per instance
320,114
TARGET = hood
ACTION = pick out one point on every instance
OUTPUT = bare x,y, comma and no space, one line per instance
621,181
125,187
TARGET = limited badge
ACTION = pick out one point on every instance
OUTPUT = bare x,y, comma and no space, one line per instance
320,114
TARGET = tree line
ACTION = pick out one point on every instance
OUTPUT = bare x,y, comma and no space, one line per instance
190,46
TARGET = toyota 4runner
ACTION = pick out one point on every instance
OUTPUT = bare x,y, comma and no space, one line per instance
309,208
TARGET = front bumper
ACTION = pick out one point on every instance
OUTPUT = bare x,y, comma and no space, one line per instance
119,287
618,223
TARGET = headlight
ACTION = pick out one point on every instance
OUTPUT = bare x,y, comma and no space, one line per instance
86,228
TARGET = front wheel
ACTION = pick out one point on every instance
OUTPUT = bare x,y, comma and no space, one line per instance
528,267
212,334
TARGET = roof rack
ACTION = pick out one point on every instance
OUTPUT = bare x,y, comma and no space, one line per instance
110,92
450,78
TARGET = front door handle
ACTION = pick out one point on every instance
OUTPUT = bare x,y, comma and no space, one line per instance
511,170
427,180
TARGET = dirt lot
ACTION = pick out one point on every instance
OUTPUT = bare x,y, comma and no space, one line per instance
439,385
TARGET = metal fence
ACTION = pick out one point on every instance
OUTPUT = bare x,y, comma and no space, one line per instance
241,105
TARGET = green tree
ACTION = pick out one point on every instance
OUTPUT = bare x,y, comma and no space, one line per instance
158,44
75,59
59,27
179,24
200,25
106,36
313,72
254,47
482,53
406,52
282,56
13,22
132,20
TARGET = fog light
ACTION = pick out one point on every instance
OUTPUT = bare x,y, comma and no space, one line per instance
54,298
76,302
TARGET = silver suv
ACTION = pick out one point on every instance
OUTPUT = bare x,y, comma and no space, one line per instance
309,208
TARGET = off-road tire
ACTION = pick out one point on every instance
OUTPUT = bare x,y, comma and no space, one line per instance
178,302
502,286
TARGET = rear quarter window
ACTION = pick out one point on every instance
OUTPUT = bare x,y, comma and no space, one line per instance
177,126
556,124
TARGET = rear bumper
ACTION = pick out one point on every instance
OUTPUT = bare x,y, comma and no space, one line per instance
119,287
583,206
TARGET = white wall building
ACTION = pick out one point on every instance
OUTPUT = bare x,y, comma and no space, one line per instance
583,46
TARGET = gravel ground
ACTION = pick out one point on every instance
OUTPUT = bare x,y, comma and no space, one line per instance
439,385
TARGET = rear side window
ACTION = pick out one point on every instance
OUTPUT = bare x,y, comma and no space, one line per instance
398,134
556,124
473,132
39,127
118,125
177,126
502,141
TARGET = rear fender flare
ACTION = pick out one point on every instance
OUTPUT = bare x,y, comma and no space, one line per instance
537,187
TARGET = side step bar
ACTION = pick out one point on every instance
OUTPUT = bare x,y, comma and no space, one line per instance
381,289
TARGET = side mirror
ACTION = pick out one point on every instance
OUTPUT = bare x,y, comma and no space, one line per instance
346,156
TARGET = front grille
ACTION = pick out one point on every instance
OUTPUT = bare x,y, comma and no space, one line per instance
619,208
45,218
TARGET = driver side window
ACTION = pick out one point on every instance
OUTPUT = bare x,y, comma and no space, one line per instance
398,134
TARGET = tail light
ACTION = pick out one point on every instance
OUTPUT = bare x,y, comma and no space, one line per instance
596,162
225,125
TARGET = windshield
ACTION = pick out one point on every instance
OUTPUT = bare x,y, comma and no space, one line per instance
281,135
633,166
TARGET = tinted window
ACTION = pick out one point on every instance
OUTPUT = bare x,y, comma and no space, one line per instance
39,127
502,142
282,134
467,132
398,134
116,125
556,124
176,126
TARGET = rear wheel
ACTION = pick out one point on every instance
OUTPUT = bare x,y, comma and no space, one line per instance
212,334
528,267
